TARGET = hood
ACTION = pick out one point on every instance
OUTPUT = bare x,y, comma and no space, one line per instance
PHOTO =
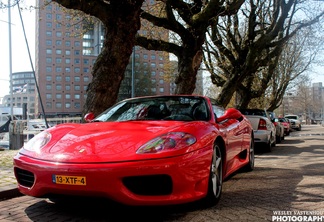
103,141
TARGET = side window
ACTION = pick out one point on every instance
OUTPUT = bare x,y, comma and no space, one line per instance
218,111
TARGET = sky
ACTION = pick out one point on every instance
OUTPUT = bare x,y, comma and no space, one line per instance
20,56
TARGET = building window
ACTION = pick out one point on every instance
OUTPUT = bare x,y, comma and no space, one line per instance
58,96
48,69
67,52
67,105
48,42
58,87
48,78
58,60
48,86
161,81
58,105
59,34
85,61
67,87
86,78
85,70
48,60
48,16
48,96
153,57
77,78
161,90
68,43
58,51
49,33
145,56
49,51
58,78
58,42
76,52
58,69
77,105
153,65
77,88
76,69
67,78
67,96
77,43
67,60
153,73
76,61
58,16
48,105
67,69
77,96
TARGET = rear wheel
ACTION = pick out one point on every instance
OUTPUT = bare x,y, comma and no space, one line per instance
268,146
250,165
215,177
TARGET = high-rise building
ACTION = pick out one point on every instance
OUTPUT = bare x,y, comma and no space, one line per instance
65,58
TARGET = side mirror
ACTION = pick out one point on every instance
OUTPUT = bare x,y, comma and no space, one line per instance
89,117
230,113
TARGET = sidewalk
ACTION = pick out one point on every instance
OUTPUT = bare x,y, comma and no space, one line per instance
8,184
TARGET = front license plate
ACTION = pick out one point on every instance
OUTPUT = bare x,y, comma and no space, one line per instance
69,180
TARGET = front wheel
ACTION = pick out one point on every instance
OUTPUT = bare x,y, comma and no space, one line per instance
215,177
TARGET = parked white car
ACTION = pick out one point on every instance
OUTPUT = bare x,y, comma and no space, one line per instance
264,130
295,122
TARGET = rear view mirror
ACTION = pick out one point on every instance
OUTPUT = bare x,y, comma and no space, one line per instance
230,113
89,117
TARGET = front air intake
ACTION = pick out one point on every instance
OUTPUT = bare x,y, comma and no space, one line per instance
24,177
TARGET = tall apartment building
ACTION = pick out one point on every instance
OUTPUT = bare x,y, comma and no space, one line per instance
64,60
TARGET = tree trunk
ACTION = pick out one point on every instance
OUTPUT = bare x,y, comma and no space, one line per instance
108,71
188,66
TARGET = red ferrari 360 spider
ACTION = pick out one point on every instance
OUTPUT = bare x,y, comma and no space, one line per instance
155,150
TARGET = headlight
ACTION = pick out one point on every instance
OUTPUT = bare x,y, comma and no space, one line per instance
37,142
167,142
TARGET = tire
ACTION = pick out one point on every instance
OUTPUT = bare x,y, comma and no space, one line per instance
274,143
278,138
215,183
250,166
268,147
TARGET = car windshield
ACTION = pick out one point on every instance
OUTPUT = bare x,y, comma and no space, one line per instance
291,117
183,108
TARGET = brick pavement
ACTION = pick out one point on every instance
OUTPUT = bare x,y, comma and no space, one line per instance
8,184
288,179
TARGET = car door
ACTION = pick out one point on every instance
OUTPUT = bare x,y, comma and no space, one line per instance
234,136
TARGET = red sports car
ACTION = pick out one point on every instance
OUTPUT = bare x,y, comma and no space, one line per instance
155,150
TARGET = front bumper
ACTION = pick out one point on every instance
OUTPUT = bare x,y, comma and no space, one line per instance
165,181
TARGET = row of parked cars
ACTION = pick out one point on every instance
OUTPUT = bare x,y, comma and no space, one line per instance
269,129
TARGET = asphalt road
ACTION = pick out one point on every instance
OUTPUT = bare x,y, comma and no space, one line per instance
286,182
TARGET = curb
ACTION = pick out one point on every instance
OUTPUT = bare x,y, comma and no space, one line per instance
8,192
